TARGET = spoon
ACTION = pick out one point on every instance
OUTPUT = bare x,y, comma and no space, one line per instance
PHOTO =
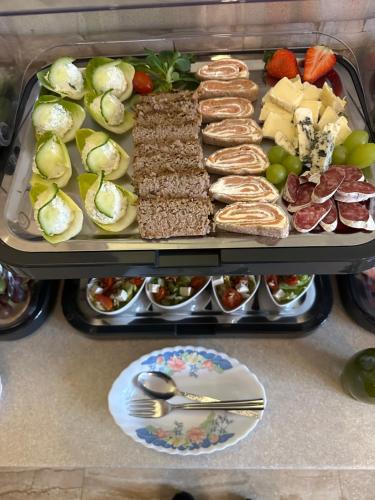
161,386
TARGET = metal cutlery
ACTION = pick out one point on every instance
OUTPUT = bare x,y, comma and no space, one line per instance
156,408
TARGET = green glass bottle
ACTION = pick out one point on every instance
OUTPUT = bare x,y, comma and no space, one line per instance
358,377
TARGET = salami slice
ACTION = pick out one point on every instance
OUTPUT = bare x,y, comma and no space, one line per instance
308,218
291,188
329,223
329,183
303,198
352,173
354,191
354,215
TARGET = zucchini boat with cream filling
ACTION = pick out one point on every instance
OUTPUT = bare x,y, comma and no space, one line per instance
101,153
109,206
109,112
64,78
51,162
103,74
58,217
54,114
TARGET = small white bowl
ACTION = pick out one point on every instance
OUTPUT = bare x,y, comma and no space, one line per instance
230,311
176,306
117,311
287,304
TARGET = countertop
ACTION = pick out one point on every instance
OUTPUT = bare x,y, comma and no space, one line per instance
53,412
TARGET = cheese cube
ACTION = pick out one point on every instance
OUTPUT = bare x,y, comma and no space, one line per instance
311,92
282,140
313,106
275,123
329,116
330,99
270,106
285,95
297,82
323,107
344,130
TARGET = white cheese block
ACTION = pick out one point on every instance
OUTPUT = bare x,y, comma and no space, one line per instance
153,288
282,140
321,153
242,288
311,92
328,98
297,82
314,107
278,123
122,295
286,95
344,130
305,132
218,281
269,107
329,116
186,291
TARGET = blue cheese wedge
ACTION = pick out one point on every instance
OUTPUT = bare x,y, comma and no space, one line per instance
286,95
305,132
321,153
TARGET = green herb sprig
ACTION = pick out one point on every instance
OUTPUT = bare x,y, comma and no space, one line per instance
168,69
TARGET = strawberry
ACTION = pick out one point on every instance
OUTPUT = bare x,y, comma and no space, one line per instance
318,61
281,63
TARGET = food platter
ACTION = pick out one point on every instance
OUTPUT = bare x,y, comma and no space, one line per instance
22,241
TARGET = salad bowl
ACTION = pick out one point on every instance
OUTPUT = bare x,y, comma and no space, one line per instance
180,305
247,296
120,309
299,289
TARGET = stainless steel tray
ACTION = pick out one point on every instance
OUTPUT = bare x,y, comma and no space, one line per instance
202,317
22,246
20,231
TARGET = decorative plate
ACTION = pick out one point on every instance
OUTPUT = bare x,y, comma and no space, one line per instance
197,370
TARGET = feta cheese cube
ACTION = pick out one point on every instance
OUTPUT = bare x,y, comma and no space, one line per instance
122,295
186,291
152,288
218,281
242,288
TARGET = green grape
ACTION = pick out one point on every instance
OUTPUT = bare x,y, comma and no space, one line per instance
292,164
362,156
276,154
356,138
276,173
339,155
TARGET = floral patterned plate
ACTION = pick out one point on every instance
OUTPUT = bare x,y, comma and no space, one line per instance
197,370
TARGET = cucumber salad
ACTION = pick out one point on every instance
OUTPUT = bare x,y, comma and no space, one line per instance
110,294
172,290
233,291
284,289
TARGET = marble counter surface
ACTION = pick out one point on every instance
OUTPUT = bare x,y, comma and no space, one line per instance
53,411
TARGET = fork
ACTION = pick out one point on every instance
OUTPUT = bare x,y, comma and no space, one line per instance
156,408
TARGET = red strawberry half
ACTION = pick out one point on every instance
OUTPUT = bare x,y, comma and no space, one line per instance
281,63
318,61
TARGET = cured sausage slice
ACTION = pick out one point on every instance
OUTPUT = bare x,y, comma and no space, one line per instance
246,159
223,69
243,188
308,218
291,188
354,191
213,110
303,198
329,183
329,223
352,173
354,215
